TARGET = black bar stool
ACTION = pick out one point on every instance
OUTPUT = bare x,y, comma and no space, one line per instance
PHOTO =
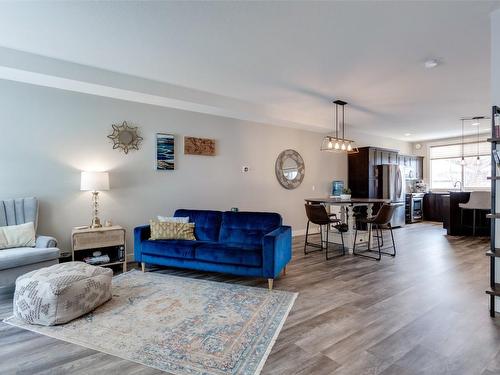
381,221
316,214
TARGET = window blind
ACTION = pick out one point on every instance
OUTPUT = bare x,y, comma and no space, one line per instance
455,151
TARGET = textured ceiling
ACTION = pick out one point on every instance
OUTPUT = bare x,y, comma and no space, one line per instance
295,56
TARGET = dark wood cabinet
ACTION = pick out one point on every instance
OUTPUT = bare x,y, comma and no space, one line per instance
434,207
362,169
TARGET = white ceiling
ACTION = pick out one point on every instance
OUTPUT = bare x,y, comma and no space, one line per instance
294,56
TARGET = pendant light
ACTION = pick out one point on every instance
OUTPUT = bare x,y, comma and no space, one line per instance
338,142
462,161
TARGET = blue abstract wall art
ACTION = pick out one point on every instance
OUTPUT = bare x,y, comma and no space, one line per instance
165,155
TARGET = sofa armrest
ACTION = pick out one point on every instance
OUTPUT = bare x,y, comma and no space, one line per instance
141,233
277,251
44,242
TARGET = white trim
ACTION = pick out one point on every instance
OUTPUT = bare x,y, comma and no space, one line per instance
229,108
302,232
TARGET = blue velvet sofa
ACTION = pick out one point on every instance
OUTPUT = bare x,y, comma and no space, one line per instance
240,243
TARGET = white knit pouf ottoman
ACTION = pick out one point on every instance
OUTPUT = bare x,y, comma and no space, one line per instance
60,293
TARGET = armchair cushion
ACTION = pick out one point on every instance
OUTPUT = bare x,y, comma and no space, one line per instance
44,242
19,211
21,256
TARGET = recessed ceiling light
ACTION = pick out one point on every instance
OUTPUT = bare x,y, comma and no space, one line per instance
432,63
407,134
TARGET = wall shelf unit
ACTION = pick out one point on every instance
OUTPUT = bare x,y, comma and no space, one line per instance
494,253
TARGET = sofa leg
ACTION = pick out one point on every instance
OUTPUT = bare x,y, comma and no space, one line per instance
270,283
143,267
284,271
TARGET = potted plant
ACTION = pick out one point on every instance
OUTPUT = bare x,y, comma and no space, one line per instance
346,194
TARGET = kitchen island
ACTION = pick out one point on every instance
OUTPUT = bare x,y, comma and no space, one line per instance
444,207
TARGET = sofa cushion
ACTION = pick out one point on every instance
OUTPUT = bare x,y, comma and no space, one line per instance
229,254
20,256
247,228
170,248
207,223
163,230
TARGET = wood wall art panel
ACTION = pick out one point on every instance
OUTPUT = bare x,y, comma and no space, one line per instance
199,146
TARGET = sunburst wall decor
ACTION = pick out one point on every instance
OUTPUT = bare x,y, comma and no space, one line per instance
125,137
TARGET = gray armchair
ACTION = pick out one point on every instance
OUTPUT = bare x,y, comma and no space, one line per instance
17,261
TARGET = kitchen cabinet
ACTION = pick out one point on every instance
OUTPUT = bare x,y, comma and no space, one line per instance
419,172
412,166
362,169
434,207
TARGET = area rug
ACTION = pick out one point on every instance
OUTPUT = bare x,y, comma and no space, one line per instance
181,325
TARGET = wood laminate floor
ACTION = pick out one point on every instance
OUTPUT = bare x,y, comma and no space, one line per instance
424,312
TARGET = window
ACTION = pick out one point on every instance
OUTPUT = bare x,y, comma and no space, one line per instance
446,169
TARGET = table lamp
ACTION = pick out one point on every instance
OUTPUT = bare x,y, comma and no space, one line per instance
95,182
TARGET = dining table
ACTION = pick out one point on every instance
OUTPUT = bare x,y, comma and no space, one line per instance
346,212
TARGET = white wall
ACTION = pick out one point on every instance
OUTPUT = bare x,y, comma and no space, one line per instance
48,136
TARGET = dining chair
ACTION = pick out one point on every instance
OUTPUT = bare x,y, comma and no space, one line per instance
316,214
381,221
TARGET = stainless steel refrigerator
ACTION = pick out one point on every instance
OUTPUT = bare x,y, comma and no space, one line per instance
391,185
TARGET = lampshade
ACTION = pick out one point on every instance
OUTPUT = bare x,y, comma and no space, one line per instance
94,181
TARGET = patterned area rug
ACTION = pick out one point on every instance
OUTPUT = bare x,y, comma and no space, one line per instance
181,325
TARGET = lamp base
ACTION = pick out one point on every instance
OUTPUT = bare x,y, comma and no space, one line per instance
96,223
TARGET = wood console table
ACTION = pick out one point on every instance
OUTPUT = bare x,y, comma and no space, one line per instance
109,240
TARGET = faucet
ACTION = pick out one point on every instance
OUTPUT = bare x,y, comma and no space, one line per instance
461,185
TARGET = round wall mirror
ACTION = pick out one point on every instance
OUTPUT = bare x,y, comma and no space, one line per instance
290,169
125,137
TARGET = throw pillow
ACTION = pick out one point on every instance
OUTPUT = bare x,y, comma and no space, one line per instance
171,231
22,235
172,219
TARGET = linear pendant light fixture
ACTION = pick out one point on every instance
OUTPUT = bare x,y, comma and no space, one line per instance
338,142
462,161
478,159
474,121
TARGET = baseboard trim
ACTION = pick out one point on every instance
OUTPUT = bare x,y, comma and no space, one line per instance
302,232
